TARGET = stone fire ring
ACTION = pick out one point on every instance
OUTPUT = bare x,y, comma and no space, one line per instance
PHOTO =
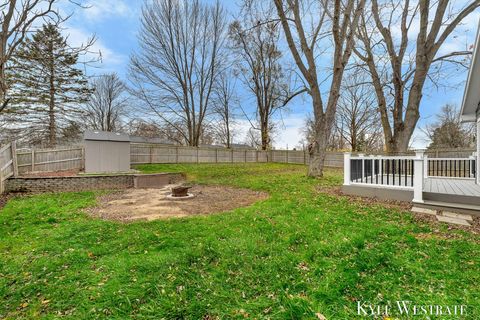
188,196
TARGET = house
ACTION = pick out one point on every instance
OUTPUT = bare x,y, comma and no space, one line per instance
446,187
470,111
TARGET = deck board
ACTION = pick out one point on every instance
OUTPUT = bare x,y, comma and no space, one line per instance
451,186
464,187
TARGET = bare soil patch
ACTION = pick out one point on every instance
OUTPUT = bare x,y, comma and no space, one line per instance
152,204
65,173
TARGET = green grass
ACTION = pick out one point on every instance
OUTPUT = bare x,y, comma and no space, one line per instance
294,255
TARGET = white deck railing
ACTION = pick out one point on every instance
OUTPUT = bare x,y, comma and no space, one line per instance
404,172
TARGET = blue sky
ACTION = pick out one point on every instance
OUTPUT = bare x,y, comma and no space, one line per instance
116,24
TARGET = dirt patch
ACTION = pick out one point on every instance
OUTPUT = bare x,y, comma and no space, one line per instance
66,173
153,204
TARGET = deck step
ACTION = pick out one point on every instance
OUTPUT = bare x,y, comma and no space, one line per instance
458,208
424,210
457,215
453,220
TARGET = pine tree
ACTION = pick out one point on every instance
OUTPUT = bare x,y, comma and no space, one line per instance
47,86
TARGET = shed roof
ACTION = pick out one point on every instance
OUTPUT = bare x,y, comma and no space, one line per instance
471,97
105,136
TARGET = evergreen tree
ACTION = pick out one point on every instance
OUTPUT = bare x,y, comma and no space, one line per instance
47,86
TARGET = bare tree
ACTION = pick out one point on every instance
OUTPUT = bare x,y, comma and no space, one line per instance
399,67
260,68
225,104
173,75
107,103
16,19
309,28
358,120
448,131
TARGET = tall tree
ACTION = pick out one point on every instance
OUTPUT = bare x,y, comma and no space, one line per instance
399,66
16,19
310,27
358,120
180,58
107,103
47,87
260,68
224,108
448,132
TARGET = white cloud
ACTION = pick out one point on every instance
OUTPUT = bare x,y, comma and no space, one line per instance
101,9
109,58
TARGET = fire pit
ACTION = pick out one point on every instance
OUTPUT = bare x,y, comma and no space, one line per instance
180,192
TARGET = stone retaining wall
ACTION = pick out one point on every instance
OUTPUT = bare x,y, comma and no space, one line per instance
86,183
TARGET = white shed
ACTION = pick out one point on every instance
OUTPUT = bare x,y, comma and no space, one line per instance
106,152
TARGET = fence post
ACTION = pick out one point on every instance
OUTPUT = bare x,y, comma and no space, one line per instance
151,154
216,155
13,147
287,155
176,154
2,182
197,154
256,155
231,154
346,168
82,160
245,156
304,157
33,159
418,177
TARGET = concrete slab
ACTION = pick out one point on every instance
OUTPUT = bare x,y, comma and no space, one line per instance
453,220
457,215
424,210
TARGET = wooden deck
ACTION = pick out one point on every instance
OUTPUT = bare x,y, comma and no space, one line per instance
458,186
451,186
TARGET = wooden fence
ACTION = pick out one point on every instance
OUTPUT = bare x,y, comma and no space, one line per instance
14,162
156,153
49,160
8,164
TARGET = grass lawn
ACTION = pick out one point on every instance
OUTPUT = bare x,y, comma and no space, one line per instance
292,256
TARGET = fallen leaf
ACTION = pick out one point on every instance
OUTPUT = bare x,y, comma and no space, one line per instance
320,316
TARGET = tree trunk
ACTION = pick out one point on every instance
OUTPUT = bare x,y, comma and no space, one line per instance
265,137
52,126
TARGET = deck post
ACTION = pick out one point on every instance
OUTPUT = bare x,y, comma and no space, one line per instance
346,168
418,176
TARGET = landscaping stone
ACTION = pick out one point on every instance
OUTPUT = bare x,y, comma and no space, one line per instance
453,220
424,210
457,215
